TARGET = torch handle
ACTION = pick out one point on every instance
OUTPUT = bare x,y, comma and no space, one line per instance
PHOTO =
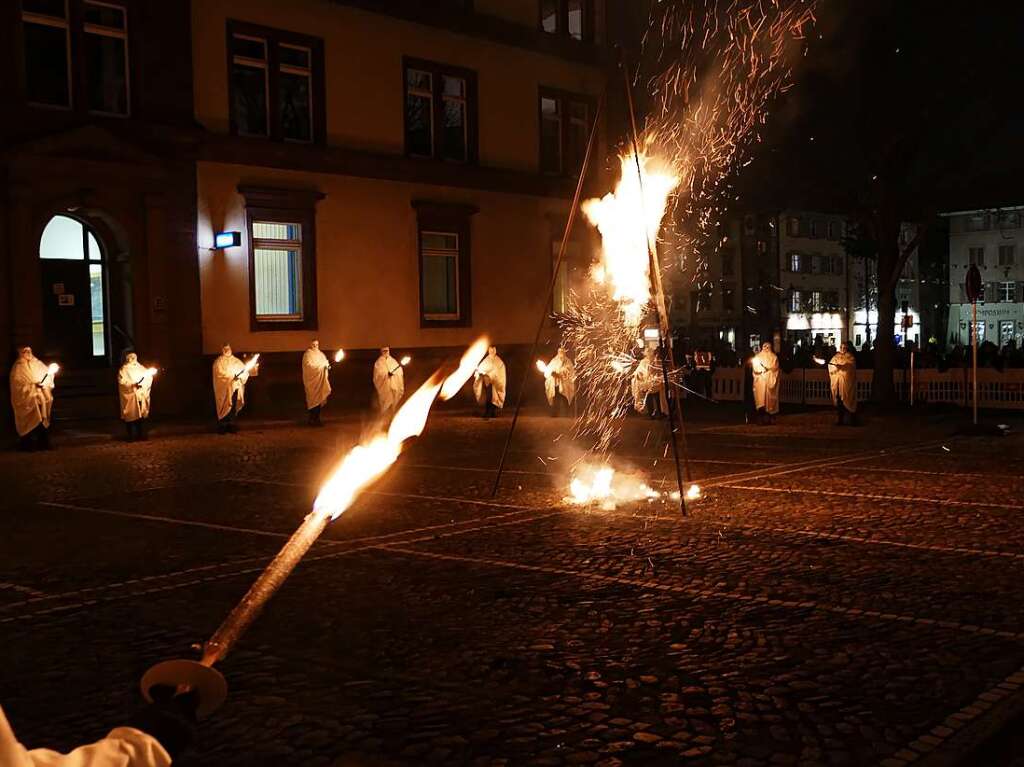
246,611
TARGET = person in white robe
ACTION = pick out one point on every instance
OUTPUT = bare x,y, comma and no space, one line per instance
229,379
560,383
32,400
316,381
648,386
842,374
765,367
389,381
134,384
489,383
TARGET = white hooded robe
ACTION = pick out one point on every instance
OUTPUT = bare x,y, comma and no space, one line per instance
493,368
134,401
390,388
225,368
560,377
122,747
647,379
31,403
842,374
765,366
315,378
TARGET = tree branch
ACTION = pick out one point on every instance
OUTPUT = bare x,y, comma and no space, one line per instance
901,261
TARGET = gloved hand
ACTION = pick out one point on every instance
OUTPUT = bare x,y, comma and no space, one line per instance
170,718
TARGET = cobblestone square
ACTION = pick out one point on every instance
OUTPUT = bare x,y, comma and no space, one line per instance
837,597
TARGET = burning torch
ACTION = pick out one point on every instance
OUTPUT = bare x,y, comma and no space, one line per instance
150,374
364,464
51,372
401,364
253,361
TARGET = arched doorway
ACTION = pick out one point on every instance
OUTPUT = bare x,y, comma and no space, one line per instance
75,293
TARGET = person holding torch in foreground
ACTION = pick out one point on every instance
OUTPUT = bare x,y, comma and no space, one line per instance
389,381
32,399
765,366
316,381
229,378
134,384
842,374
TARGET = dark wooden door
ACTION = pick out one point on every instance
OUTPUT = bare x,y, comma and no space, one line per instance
67,312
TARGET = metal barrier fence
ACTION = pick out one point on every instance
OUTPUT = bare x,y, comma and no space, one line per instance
811,386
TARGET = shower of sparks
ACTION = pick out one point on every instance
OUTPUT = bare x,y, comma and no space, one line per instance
712,69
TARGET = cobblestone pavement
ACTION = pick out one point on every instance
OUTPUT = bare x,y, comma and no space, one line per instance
838,597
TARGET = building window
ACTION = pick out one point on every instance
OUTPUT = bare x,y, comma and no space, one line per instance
1007,256
564,132
816,303
831,299
68,239
835,230
281,227
796,301
99,30
106,58
1009,220
1008,292
976,256
570,18
796,262
793,227
440,111
814,228
975,223
728,263
443,243
276,83
728,298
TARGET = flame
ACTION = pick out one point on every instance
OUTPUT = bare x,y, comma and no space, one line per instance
151,372
601,484
693,492
819,360
542,367
251,363
339,355
467,365
405,360
52,368
625,258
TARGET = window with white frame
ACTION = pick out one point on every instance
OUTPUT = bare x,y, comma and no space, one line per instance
47,44
105,43
796,262
1008,292
1007,255
440,111
564,130
275,83
796,301
439,254
816,303
277,261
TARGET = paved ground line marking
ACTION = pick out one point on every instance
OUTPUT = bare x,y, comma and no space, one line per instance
369,544
166,520
879,497
22,589
848,612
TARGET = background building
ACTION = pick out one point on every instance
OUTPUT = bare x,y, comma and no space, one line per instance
992,239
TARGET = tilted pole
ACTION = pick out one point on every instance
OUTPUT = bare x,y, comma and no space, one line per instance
665,353
570,220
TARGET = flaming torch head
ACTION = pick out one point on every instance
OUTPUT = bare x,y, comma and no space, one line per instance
693,492
467,365
52,368
151,372
253,361
541,367
339,355
405,360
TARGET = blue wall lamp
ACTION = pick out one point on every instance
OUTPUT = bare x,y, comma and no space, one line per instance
223,240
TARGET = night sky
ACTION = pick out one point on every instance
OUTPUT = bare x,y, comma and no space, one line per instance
927,96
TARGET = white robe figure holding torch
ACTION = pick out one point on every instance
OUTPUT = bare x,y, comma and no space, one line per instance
648,381
560,383
316,381
489,383
842,374
765,367
134,384
32,385
229,378
389,381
